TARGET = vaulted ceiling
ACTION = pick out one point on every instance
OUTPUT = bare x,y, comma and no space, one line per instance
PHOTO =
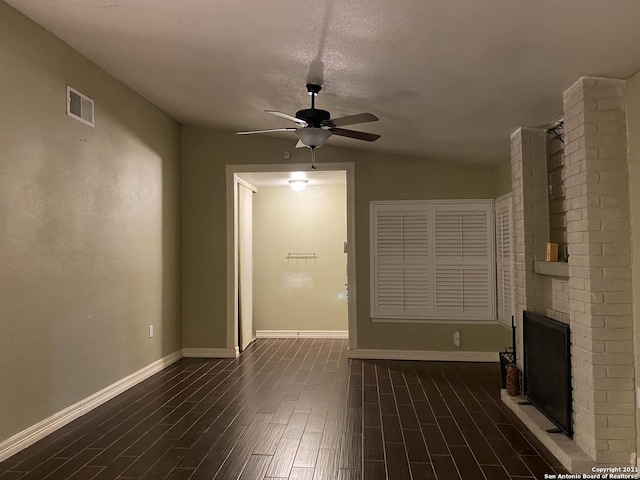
449,79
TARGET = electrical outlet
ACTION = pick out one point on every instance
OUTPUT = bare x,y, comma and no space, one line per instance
150,331
456,339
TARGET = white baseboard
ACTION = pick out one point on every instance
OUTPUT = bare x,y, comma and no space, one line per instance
302,334
438,356
28,437
210,352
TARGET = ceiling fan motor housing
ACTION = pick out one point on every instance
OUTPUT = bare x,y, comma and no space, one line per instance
313,116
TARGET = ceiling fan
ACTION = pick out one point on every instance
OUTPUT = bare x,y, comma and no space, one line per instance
314,126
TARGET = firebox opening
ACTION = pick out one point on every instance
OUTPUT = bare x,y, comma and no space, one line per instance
547,368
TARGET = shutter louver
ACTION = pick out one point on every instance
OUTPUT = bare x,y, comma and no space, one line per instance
433,260
504,263
462,288
461,234
503,234
504,295
401,272
463,274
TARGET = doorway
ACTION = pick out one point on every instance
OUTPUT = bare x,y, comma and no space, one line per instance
236,174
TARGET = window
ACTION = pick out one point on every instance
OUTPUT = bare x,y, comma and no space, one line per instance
433,260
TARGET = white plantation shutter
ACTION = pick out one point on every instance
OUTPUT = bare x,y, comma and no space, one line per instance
432,260
464,261
401,267
504,260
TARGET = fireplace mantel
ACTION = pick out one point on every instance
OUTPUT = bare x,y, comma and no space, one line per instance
554,269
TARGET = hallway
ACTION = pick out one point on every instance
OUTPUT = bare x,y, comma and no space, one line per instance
296,409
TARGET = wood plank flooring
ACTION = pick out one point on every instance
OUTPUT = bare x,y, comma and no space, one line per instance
297,410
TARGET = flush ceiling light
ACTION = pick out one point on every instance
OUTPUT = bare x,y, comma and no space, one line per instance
298,184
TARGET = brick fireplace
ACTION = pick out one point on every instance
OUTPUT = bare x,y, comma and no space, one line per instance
577,193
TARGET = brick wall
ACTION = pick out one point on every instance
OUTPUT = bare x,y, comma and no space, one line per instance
596,299
557,198
556,304
530,219
531,212
599,269
556,300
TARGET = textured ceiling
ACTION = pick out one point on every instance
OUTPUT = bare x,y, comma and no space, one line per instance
449,79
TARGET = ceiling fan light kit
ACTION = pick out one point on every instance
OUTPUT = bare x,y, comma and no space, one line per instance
314,126
313,137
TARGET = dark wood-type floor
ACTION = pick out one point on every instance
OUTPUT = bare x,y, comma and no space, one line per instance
297,410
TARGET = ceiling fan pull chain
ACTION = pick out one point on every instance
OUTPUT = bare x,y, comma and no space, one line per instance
313,158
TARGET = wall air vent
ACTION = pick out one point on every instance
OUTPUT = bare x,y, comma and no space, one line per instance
79,106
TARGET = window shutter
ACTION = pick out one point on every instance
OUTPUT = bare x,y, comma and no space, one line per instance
504,262
464,276
433,260
400,267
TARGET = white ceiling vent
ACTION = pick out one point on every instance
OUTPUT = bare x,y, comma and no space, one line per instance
79,106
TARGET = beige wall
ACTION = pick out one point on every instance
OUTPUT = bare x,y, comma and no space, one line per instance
388,177
503,178
379,176
633,147
297,294
89,229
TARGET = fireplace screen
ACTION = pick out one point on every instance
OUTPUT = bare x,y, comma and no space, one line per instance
547,368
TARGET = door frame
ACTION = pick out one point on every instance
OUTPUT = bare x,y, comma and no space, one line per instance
231,183
242,210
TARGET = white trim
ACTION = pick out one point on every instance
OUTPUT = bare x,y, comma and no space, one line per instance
232,258
231,189
504,197
448,321
28,437
246,184
243,252
302,333
437,356
352,314
432,202
508,199
210,352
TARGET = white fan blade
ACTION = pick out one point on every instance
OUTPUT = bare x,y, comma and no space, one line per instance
287,129
300,144
297,120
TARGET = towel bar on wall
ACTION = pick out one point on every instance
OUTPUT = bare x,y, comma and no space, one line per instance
306,256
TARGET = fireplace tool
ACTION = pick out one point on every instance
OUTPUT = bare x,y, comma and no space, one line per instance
508,362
